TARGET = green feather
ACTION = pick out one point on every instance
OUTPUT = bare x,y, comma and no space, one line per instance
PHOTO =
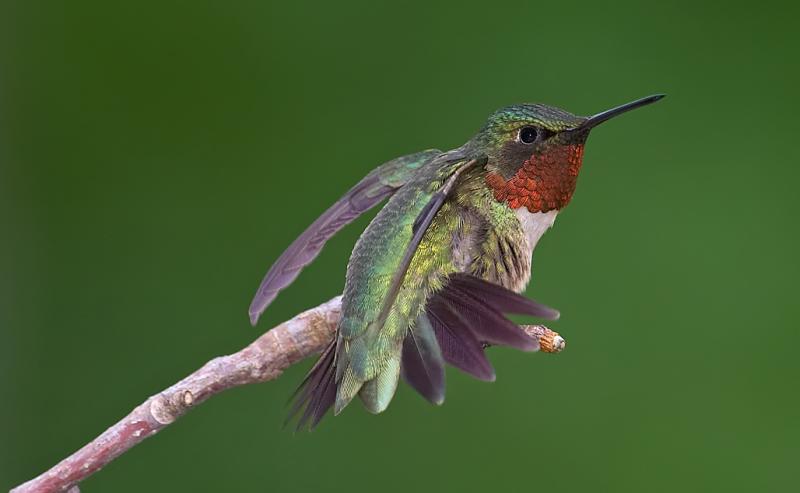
391,275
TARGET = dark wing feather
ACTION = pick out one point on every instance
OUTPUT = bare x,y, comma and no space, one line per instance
375,187
458,343
317,392
500,298
423,364
467,315
489,325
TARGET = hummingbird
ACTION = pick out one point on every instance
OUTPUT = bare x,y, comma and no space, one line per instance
431,279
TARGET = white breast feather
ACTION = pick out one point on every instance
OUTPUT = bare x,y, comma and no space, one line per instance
535,224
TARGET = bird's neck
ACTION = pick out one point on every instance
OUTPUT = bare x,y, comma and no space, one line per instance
545,182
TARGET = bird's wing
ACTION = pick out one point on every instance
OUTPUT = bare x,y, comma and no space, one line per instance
418,229
406,309
376,186
394,266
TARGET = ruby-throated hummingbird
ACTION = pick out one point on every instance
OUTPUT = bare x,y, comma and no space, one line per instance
430,278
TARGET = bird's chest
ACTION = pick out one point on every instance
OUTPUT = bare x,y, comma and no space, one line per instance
534,225
497,245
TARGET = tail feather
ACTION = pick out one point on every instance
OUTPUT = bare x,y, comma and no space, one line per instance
317,392
319,406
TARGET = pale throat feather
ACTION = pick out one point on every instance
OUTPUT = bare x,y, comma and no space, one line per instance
534,224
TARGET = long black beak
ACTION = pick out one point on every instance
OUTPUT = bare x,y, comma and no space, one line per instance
599,118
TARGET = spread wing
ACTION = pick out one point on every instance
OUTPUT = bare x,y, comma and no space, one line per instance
376,186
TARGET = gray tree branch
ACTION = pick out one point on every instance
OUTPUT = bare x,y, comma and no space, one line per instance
263,360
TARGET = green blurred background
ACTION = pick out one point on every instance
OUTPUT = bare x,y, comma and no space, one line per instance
157,156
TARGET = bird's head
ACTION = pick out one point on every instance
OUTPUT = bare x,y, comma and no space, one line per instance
535,152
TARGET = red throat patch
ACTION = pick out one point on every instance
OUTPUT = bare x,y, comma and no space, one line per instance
543,183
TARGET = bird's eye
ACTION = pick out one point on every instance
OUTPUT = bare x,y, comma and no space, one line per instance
527,135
